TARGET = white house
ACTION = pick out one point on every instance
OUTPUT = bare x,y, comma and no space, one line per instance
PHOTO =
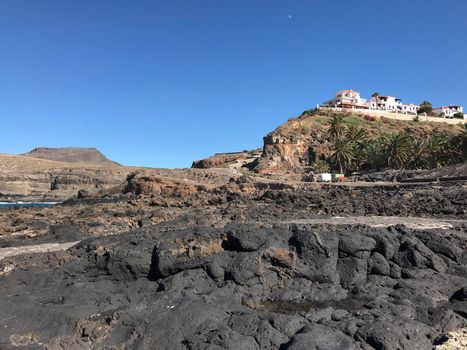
348,99
392,104
385,103
351,99
410,108
448,111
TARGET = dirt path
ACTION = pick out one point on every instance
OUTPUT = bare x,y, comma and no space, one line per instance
383,221
39,248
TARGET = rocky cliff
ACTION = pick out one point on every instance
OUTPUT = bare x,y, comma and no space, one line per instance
296,144
227,160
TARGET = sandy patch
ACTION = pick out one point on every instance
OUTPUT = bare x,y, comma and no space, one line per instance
39,248
457,340
383,221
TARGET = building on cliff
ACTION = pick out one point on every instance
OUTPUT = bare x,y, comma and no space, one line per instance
391,104
348,99
449,111
351,99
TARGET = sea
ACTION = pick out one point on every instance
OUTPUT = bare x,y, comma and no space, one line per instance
26,204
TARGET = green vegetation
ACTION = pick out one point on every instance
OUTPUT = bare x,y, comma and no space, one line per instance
337,127
310,112
321,166
352,149
343,154
425,107
354,120
306,129
396,148
459,115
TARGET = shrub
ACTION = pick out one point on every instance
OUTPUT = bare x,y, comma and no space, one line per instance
354,120
425,107
321,166
306,129
310,112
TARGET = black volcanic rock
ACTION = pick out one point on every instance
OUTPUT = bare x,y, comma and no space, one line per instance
301,287
270,269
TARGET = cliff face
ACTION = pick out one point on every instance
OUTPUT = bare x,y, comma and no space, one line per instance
71,155
291,146
296,144
227,160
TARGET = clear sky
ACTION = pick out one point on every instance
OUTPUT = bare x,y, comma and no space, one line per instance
161,83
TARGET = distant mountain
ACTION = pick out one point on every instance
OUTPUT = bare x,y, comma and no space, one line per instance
90,156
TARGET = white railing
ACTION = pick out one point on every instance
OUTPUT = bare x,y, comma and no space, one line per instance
401,115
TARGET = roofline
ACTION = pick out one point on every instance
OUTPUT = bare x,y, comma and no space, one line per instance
347,91
396,98
447,106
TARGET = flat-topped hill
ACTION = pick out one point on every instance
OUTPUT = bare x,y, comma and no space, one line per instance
71,155
37,176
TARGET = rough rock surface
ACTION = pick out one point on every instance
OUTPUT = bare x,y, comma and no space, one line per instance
220,160
248,286
452,171
296,144
217,261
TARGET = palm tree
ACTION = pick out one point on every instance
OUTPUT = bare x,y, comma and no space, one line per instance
419,154
356,133
396,148
358,137
337,126
425,107
373,154
321,166
376,97
461,141
442,150
342,154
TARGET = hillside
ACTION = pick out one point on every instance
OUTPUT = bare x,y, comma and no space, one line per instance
294,146
71,155
43,178
300,141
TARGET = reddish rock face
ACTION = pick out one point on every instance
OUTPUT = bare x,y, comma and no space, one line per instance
296,144
145,183
219,160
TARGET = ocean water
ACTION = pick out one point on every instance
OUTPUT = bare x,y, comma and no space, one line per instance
26,204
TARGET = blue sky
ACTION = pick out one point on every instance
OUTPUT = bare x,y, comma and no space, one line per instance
162,83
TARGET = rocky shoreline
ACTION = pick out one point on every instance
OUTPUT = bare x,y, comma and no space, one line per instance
232,262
